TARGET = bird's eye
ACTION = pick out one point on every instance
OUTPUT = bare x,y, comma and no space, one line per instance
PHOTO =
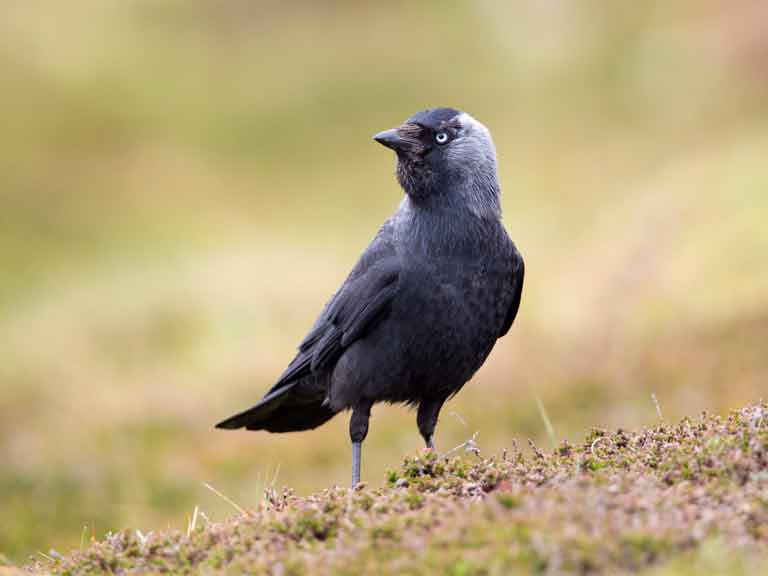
441,137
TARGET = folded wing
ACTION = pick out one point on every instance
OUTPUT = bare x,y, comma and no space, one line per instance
296,401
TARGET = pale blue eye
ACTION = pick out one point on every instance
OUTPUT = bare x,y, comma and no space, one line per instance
441,137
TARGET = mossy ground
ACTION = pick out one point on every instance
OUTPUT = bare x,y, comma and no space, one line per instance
683,498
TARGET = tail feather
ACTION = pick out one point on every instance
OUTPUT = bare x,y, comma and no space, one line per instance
295,418
283,410
252,415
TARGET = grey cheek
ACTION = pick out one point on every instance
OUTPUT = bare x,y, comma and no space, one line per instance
464,153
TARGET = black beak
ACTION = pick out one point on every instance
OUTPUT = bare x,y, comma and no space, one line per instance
405,138
390,139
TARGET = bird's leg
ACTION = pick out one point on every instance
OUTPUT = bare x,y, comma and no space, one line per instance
356,453
358,430
426,419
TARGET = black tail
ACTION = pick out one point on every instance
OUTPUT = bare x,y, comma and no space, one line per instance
283,410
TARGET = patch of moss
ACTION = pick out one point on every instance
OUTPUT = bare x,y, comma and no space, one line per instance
619,502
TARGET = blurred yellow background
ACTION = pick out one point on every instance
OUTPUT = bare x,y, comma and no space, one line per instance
184,183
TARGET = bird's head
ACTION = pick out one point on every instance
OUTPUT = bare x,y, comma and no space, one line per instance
445,155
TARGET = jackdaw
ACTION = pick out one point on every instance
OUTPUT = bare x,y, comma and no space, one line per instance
422,308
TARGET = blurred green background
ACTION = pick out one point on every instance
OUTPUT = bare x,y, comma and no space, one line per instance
184,183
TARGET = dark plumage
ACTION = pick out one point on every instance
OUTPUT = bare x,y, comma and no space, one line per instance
426,302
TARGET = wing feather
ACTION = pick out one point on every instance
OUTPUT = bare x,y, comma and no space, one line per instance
363,301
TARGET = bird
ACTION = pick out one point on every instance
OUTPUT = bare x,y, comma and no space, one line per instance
419,313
